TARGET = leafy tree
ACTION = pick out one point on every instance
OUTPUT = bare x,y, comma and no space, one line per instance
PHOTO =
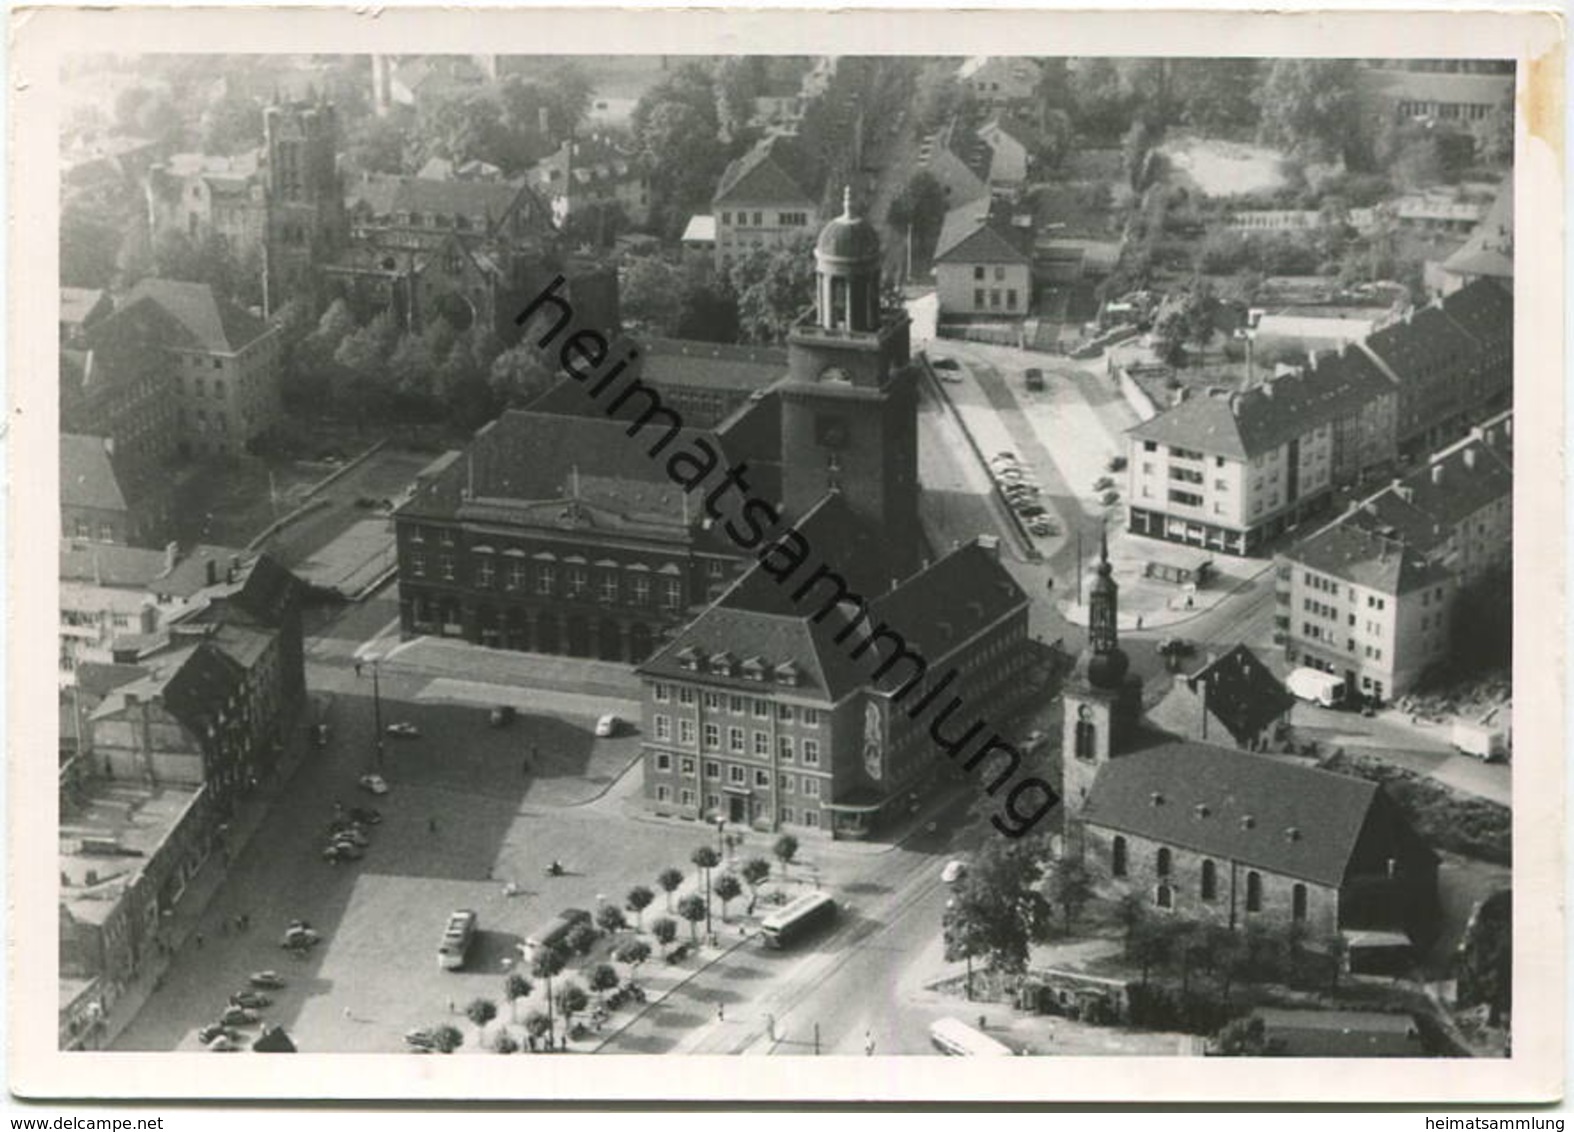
1486,957
1131,912
379,145
1218,96
549,962
1494,135
651,293
755,871
516,987
676,126
728,889
519,374
603,978
538,1025
1244,1037
446,1038
669,881
693,909
610,918
87,248
581,938
665,930
965,938
1135,148
705,859
231,124
1169,337
409,369
505,1043
921,204
786,849
1069,888
481,1011
460,126
938,95
571,1000
998,907
1309,105
361,361
1151,947
1101,105
571,93
740,79
773,287
638,899
635,952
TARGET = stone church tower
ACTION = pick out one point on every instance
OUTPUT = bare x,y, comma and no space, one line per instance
306,224
850,404
1100,699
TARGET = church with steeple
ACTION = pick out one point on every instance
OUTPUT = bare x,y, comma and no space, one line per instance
1216,834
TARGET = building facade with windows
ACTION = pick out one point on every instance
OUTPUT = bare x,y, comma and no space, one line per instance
1371,596
768,198
983,265
1000,81
757,714
223,364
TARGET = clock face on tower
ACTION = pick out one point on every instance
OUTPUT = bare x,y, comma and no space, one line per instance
834,375
830,432
1084,712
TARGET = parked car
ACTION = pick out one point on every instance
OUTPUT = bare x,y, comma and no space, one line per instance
373,783
423,1040
238,1016
1177,648
250,999
1029,510
300,936
1041,527
945,363
365,815
1116,464
1103,483
223,1044
1034,379
270,979
404,730
343,851
608,725
953,872
502,715
214,1031
353,834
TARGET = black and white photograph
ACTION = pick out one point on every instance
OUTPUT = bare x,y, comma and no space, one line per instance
899,552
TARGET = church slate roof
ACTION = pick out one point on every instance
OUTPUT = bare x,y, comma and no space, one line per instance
1235,805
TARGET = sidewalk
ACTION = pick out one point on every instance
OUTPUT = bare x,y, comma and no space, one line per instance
180,925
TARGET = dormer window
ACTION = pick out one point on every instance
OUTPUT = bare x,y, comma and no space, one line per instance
787,673
754,669
689,658
722,663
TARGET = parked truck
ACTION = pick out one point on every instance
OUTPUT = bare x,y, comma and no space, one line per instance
1316,687
1486,738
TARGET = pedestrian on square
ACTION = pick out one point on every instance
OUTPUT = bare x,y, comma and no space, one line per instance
451,1006
431,825
868,1043
348,1017
357,668
199,941
721,1012
1139,621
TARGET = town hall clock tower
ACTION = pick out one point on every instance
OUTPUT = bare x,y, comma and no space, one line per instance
850,403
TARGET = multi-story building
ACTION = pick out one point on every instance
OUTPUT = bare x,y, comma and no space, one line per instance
1441,90
1371,596
1489,252
1214,834
758,714
1451,362
223,362
93,505
768,198
983,264
590,173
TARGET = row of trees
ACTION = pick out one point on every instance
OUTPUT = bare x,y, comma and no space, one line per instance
757,300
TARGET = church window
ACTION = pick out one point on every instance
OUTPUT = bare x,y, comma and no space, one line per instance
1164,896
1210,881
1085,740
1117,860
1298,903
673,597
1253,892
1162,864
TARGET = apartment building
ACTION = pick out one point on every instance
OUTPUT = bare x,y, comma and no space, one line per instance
983,264
1370,597
768,198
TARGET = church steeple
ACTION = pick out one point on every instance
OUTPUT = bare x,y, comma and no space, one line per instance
1107,664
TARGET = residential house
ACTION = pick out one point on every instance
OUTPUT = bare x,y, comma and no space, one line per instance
768,198
1000,81
960,160
593,173
80,309
1233,699
1488,254
983,264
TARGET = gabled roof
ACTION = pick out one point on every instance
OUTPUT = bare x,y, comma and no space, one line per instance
1338,1033
199,319
77,304
1235,805
87,474
743,369
104,564
487,201
1239,691
1485,309
775,171
700,230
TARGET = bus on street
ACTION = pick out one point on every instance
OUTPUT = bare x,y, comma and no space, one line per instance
958,1039
802,917
457,937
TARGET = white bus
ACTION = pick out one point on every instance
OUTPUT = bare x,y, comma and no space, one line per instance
799,918
958,1039
457,937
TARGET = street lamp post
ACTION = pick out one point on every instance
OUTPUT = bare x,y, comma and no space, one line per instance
377,711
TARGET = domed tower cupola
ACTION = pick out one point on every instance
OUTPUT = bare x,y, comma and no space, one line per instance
847,273
1107,664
